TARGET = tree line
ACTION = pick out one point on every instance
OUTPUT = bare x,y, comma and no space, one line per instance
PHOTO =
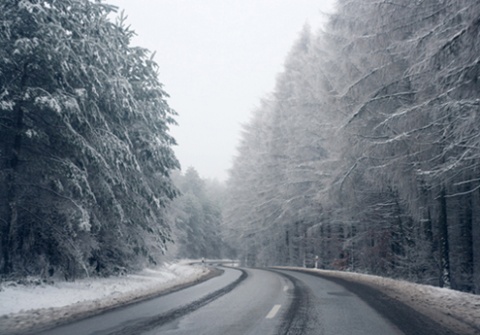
196,217
364,158
85,149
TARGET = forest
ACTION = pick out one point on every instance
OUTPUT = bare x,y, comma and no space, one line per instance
85,152
89,180
364,157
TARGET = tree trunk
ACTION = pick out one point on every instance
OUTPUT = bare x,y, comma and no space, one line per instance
9,241
444,278
467,246
476,246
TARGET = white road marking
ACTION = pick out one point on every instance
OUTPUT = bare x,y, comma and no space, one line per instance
273,312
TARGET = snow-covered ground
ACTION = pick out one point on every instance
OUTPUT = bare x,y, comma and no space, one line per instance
37,304
456,310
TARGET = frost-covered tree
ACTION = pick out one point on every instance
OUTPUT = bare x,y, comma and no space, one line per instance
251,204
283,165
85,150
403,127
197,217
373,144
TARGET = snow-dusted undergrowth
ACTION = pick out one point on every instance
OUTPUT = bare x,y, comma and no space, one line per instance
456,310
29,306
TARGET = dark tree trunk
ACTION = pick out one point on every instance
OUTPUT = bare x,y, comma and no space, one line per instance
11,221
476,246
444,278
467,246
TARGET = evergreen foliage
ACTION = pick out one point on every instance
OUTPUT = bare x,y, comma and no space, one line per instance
85,152
197,217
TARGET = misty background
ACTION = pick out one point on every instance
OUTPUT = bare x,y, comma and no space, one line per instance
217,59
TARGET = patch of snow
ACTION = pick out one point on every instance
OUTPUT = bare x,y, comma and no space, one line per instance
49,102
7,105
30,133
39,304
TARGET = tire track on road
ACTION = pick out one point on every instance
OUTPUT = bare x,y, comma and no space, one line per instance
150,323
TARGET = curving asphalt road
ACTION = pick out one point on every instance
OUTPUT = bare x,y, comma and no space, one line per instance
322,307
261,301
141,317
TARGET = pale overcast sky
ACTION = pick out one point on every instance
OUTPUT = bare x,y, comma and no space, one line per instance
217,59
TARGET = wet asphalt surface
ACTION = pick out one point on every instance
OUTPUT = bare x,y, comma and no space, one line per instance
262,301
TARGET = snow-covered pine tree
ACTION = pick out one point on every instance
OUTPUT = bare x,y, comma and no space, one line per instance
85,149
197,217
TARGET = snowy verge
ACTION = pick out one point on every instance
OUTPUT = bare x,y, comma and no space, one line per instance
455,310
25,308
